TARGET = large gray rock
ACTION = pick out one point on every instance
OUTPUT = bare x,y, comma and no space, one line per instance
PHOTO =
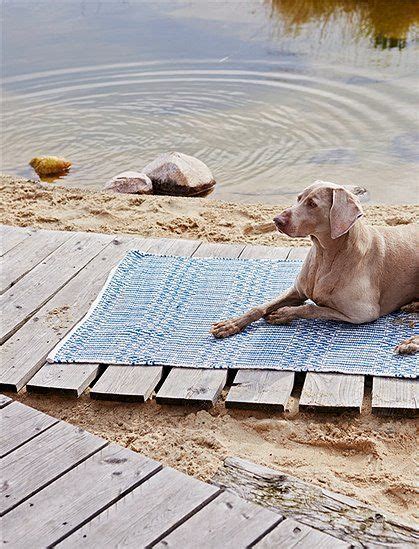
176,173
130,183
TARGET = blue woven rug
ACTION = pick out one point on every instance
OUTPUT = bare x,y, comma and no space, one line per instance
158,310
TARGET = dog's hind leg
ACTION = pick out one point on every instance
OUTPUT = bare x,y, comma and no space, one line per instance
408,346
411,307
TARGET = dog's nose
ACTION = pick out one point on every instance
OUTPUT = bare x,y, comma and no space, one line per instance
281,220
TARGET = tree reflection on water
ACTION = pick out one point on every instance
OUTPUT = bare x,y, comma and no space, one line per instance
389,24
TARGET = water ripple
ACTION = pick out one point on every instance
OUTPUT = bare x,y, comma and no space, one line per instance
262,128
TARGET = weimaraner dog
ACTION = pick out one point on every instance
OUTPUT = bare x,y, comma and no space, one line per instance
353,272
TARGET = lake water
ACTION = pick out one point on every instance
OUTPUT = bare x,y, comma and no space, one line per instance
269,94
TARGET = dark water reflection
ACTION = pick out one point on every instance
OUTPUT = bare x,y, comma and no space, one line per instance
270,94
387,23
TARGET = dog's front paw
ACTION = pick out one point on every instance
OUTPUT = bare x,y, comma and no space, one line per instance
278,317
226,328
408,346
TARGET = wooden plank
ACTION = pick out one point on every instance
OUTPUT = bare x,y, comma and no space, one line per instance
19,424
40,461
21,259
147,513
198,386
169,246
4,401
23,299
65,379
211,249
13,236
332,392
227,522
26,351
266,389
335,514
192,386
290,533
298,253
394,395
136,383
60,508
265,252
126,383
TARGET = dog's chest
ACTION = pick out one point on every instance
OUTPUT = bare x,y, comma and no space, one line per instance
321,286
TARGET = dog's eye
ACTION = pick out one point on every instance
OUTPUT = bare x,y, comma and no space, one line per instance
311,203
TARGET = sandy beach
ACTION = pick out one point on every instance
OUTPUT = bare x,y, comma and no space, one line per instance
366,457
48,206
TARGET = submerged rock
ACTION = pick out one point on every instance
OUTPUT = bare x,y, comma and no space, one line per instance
130,183
176,174
50,165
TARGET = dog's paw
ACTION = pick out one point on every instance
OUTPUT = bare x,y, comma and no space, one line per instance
226,328
408,346
278,317
411,307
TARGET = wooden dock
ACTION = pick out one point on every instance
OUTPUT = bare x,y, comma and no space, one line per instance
64,486
49,280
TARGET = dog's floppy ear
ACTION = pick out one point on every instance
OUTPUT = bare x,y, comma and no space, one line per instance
344,212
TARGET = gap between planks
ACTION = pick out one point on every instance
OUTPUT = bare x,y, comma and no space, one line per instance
31,292
22,258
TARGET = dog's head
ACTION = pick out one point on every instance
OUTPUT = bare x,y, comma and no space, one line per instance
322,208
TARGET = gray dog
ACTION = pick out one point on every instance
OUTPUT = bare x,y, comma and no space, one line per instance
353,272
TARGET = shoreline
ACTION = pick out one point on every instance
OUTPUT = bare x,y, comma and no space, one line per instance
48,206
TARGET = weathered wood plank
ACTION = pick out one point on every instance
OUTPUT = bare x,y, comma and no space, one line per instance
198,386
4,401
32,291
332,392
127,383
13,236
147,513
298,253
393,395
65,379
25,352
334,514
290,533
76,497
19,424
253,389
265,252
192,386
211,249
46,457
21,259
169,246
227,521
